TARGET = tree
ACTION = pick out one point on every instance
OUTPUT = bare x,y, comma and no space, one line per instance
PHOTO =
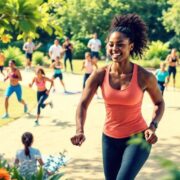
19,18
171,18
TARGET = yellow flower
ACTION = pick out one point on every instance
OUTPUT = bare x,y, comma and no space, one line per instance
6,38
4,175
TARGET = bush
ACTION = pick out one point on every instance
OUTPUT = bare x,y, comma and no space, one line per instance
13,53
175,42
79,50
157,49
38,58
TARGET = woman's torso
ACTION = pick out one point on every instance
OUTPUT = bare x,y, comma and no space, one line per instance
123,107
40,83
88,67
14,77
172,61
57,69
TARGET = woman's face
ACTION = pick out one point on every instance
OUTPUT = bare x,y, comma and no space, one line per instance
39,73
119,47
11,64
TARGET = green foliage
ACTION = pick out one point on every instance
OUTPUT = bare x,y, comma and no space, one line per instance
157,49
175,42
171,18
172,168
79,50
23,18
15,54
154,63
139,140
38,58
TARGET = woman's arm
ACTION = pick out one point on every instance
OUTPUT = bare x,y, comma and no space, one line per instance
157,99
93,82
19,75
83,65
49,80
31,84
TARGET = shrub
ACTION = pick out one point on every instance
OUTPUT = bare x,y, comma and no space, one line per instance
13,53
38,58
157,49
79,50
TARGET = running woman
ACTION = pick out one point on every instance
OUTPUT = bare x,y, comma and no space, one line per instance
42,93
58,66
88,66
2,60
14,76
172,61
123,84
162,76
27,158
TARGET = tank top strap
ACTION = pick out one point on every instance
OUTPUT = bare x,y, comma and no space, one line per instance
135,72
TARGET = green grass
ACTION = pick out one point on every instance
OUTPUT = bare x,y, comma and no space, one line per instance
15,108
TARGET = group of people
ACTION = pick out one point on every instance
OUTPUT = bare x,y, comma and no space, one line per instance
122,83
163,75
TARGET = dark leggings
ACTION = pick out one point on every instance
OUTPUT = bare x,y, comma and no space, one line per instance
161,86
86,76
122,161
66,57
41,97
172,70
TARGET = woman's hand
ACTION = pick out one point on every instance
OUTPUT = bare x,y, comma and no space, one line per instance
47,92
30,85
150,136
78,139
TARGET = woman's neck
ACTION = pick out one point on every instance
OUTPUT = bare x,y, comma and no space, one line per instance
122,68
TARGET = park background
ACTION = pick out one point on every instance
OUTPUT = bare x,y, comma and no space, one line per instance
78,19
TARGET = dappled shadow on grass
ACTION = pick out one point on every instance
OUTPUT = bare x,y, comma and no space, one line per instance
164,149
84,169
176,108
62,124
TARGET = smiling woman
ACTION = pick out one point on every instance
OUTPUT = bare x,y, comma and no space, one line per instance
123,84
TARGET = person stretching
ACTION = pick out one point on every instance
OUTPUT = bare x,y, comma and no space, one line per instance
42,93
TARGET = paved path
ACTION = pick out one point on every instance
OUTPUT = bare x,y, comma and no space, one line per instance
58,125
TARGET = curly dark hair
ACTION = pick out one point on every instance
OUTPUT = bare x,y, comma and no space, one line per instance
134,28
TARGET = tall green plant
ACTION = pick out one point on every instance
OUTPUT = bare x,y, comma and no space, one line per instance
15,54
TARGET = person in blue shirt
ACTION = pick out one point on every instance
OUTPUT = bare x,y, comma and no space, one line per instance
162,76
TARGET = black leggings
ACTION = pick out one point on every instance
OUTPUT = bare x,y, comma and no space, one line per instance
66,57
122,161
172,70
41,97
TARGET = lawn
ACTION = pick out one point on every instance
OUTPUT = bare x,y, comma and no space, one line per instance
15,108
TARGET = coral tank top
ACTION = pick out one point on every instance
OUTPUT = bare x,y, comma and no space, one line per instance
123,108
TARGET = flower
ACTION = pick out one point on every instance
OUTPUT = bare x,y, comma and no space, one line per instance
4,175
6,38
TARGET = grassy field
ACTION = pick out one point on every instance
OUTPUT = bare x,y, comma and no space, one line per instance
15,108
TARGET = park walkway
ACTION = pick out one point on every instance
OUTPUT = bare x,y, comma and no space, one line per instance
58,125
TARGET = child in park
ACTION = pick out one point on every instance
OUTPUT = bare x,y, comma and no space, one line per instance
57,65
2,60
162,76
27,158
42,92
88,66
